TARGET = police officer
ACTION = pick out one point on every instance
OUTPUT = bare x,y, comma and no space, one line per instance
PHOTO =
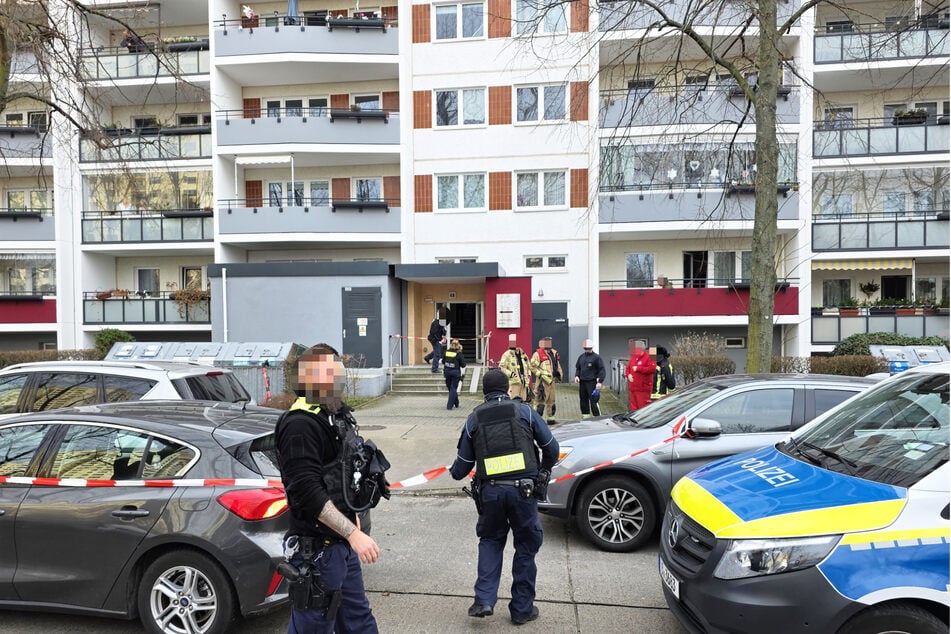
324,538
501,440
518,368
452,363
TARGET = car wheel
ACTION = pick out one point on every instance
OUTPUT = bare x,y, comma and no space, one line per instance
185,592
616,514
894,618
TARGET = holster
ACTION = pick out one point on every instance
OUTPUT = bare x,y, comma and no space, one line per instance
541,485
304,591
475,493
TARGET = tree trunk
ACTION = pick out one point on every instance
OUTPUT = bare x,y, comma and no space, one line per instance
763,274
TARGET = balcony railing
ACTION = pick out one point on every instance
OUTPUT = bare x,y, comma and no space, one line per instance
686,105
698,202
376,215
302,35
142,307
24,141
877,137
151,225
878,42
831,329
26,224
626,15
170,61
28,307
689,298
186,142
327,126
876,231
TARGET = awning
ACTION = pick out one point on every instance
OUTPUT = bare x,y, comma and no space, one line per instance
862,265
262,160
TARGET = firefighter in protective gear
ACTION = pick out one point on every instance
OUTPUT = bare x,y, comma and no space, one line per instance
452,363
501,440
314,440
518,368
546,369
664,381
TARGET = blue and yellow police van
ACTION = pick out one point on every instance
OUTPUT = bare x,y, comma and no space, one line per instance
841,528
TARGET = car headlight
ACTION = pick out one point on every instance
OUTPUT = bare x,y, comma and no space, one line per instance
563,453
755,557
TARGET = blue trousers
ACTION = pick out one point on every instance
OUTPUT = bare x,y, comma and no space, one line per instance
339,569
452,383
504,509
435,356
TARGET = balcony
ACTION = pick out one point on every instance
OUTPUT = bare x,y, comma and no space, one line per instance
831,329
27,307
27,224
153,225
336,216
310,125
142,307
186,142
880,137
881,231
289,35
878,42
615,300
24,142
697,202
112,63
688,105
626,15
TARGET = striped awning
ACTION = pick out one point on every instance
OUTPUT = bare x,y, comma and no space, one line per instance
861,265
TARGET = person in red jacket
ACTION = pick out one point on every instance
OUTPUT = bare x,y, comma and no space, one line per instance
640,378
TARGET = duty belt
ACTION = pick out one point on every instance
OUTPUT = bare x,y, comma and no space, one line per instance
510,483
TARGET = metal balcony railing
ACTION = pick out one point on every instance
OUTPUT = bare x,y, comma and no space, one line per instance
876,231
875,137
147,144
877,42
831,329
170,60
142,307
626,15
148,225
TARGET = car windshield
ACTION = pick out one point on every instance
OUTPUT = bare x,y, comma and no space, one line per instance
896,434
666,409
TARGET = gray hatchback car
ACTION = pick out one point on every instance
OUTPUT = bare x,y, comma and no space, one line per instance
182,558
616,497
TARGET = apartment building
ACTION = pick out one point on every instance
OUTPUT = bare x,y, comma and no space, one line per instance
314,171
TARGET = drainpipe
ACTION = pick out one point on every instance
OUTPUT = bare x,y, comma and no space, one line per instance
914,278
224,301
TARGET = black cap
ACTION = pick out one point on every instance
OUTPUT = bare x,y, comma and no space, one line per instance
495,381
662,351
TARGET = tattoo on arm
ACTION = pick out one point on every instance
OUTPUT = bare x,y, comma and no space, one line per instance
335,520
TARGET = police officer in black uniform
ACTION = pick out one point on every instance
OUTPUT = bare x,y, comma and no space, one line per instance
324,545
452,363
501,440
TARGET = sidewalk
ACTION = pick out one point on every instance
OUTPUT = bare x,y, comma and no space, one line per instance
417,433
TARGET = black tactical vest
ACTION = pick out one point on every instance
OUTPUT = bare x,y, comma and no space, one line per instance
503,446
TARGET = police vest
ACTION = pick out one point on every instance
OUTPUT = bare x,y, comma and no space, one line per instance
503,445
355,478
450,360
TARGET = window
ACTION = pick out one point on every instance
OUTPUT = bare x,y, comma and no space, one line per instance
640,270
539,17
64,389
889,110
454,260
552,107
165,459
923,200
540,189
755,411
926,290
473,107
460,21
37,120
839,117
836,205
539,263
16,201
734,342
273,107
144,122
295,194
839,26
460,191
641,86
835,291
368,188
14,119
274,194
18,445
147,280
194,119
368,102
827,399
320,193
126,388
11,386
27,273
191,278
317,107
731,266
893,203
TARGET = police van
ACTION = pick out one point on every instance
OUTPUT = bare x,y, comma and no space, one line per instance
843,527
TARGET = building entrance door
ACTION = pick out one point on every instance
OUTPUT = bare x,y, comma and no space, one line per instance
464,321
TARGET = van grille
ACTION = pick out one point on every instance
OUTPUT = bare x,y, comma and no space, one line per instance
692,544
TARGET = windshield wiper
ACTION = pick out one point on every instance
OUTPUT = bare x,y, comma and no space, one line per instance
826,452
799,450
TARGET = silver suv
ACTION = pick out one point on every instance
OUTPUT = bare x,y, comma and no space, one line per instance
34,387
625,466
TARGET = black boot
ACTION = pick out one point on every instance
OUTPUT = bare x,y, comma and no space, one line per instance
541,410
552,410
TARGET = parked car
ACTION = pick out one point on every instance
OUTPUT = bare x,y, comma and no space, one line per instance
182,558
842,527
616,505
34,387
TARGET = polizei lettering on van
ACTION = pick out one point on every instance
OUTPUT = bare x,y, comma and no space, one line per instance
775,476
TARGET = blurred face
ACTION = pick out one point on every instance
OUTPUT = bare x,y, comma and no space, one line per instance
321,376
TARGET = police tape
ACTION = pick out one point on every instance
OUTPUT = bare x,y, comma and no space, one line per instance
171,483
422,478
479,337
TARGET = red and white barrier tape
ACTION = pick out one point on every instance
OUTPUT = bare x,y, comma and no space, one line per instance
427,339
184,482
422,478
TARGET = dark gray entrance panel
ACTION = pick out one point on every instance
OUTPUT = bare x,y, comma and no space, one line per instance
551,320
362,325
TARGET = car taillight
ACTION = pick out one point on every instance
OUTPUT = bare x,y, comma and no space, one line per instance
254,504
276,580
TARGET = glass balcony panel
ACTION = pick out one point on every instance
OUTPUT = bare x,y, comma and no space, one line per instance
826,143
132,230
208,228
881,323
204,65
169,147
152,229
936,234
825,329
825,236
127,66
112,310
911,233
172,227
205,145
936,326
855,46
112,230
93,311
149,66
938,138
884,45
92,231
881,235
853,235
852,326
855,141
134,311
149,148
190,145
191,228
913,43
828,49
911,326
881,140
911,138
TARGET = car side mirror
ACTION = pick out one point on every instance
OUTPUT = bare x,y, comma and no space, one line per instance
703,428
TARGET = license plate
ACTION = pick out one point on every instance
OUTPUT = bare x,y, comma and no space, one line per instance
672,582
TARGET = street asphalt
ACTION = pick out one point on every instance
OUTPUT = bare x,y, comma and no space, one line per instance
423,580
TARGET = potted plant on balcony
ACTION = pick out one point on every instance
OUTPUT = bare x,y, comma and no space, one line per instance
869,288
914,116
187,297
849,307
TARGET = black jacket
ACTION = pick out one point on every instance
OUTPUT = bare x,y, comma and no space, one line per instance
436,332
590,367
